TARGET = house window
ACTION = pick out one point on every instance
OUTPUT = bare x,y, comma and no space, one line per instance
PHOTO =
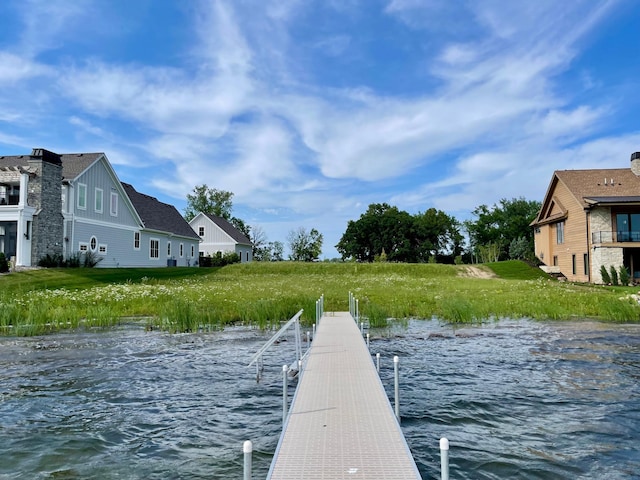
82,196
136,240
154,248
181,250
83,246
573,264
168,249
560,233
585,259
628,227
247,256
193,251
555,260
98,202
114,204
201,231
93,243
102,249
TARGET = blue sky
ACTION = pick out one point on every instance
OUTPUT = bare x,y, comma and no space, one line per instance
308,111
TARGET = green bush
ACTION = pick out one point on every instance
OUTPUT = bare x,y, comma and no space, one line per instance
614,275
220,259
624,276
4,265
606,279
51,261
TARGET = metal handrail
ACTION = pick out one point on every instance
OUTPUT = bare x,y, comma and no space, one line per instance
276,336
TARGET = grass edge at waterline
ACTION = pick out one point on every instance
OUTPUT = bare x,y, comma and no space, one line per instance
265,294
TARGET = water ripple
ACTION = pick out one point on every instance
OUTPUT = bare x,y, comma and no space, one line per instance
516,400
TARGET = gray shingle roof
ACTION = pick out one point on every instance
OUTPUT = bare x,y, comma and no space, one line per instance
156,215
73,164
229,229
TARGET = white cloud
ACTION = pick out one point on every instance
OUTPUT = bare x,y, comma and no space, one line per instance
16,68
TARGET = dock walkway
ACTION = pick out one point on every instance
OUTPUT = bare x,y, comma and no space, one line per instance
341,424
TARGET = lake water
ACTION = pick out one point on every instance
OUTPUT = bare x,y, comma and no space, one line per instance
516,399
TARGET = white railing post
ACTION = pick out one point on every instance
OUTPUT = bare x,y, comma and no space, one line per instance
284,394
362,328
396,375
308,340
368,341
247,449
357,310
378,362
444,458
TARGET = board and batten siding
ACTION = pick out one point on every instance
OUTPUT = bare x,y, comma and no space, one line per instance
119,243
217,240
575,244
98,177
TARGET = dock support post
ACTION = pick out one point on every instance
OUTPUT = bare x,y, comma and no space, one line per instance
378,362
362,328
368,341
308,340
444,458
247,449
284,394
357,310
314,330
396,376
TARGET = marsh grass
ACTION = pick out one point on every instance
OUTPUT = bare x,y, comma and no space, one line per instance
266,294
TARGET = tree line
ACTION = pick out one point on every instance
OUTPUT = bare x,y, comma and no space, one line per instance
385,233
303,245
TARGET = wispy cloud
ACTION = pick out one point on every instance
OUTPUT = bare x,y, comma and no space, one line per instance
315,109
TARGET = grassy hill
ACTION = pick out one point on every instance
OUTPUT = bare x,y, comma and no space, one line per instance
185,299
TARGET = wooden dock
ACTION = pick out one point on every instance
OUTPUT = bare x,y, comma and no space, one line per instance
341,424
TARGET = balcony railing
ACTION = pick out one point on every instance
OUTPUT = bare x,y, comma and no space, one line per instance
614,237
7,199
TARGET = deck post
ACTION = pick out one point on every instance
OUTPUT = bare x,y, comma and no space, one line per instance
362,328
396,375
378,362
284,394
368,341
314,330
444,458
247,449
308,340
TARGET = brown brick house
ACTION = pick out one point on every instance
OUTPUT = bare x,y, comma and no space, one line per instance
590,218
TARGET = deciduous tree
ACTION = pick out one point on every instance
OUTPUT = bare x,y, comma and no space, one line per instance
502,224
208,200
304,246
401,236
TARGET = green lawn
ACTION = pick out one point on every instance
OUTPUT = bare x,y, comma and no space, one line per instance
185,299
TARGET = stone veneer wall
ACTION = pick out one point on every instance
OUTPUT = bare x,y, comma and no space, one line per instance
600,221
45,194
606,256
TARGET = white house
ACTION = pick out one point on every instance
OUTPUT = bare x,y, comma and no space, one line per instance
218,235
69,203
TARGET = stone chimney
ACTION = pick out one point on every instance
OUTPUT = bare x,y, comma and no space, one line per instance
635,163
45,194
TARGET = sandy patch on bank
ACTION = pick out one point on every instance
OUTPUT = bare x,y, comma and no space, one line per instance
476,272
